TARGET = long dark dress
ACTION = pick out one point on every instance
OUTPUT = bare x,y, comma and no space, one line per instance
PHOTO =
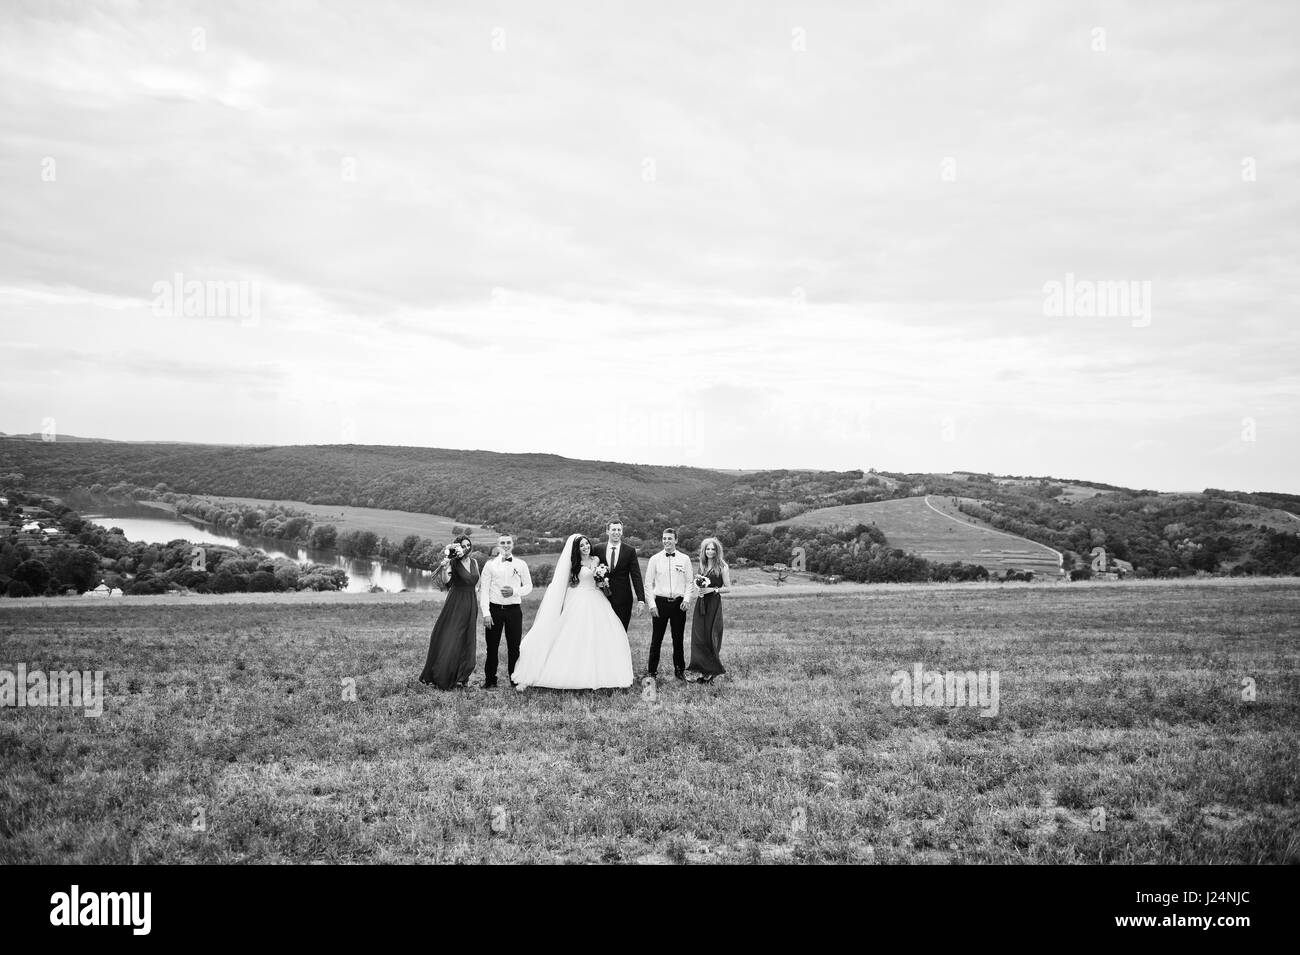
706,631
452,646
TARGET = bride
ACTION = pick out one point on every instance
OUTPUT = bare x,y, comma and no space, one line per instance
576,641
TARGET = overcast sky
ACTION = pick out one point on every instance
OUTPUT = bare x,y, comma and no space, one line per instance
773,235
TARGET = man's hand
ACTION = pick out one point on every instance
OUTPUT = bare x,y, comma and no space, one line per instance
489,620
654,610
507,591
640,607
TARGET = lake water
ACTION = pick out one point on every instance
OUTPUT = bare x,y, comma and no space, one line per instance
362,574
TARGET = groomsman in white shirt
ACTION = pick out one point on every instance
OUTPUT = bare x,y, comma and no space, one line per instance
668,582
505,581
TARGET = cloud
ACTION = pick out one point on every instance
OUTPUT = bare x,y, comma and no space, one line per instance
845,214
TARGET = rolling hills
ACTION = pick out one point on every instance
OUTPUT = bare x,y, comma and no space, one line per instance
539,491
548,495
933,529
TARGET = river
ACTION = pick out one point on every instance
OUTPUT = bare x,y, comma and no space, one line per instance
162,528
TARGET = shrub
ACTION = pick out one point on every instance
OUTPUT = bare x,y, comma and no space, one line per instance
34,574
147,586
261,582
18,588
226,582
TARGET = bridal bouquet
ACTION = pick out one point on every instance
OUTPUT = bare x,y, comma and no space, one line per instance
601,576
702,581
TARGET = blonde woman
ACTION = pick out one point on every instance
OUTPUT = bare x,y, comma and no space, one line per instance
706,621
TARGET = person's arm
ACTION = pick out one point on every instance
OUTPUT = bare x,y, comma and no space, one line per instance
526,587
651,574
726,580
477,572
638,589
485,590
690,592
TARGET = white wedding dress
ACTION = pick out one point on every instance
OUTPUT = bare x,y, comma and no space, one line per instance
576,641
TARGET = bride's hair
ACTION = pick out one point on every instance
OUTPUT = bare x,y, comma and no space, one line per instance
576,560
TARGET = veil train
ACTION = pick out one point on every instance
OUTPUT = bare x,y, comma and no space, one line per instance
552,605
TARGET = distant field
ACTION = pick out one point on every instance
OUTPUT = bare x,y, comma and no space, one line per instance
933,528
391,524
1271,517
1121,736
1078,492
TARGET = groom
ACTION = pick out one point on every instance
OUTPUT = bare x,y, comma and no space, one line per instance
624,574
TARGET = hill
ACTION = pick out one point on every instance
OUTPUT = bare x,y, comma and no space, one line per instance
1159,533
930,528
539,491
546,495
67,438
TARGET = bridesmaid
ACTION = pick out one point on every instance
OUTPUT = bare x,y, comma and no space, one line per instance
453,643
706,621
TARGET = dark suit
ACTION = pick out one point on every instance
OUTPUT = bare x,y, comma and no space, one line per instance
624,579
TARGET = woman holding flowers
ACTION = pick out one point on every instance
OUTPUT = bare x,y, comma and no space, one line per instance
452,645
713,580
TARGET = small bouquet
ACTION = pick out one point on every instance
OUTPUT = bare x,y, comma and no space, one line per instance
453,552
702,581
601,576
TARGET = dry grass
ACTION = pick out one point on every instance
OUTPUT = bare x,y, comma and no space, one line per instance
1124,699
938,532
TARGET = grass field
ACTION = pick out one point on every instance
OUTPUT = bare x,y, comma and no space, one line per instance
935,529
391,524
1120,703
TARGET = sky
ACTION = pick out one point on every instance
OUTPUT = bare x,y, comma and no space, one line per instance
733,235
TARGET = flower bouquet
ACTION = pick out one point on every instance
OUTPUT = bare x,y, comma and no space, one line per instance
601,575
453,552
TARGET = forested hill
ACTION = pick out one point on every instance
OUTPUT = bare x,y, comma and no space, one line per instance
1213,531
539,491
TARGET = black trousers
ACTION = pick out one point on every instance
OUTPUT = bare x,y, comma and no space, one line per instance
622,610
509,618
670,612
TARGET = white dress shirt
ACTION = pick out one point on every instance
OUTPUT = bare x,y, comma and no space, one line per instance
669,576
611,554
499,572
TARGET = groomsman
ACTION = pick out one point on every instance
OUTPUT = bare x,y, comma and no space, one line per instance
624,573
505,581
669,579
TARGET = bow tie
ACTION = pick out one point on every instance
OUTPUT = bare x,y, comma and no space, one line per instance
507,559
